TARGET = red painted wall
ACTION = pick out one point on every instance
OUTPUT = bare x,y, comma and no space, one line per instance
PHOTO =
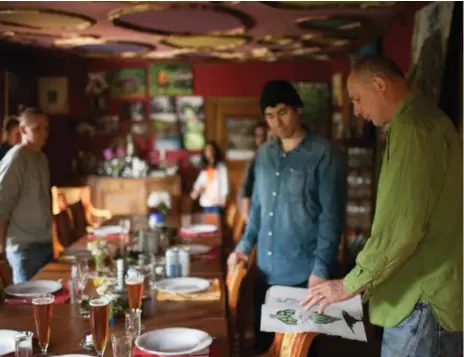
230,79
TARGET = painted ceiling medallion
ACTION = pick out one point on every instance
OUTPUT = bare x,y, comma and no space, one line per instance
329,23
170,18
77,41
202,43
275,41
313,5
166,54
44,19
330,41
114,49
306,50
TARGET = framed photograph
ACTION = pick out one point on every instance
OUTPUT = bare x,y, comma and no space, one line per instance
127,83
53,95
190,110
232,120
171,79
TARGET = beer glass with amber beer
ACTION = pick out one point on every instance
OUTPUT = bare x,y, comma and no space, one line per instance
42,307
99,323
134,284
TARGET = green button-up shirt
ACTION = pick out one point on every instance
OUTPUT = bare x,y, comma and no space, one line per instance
415,250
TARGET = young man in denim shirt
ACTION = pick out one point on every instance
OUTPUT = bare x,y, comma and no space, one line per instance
298,203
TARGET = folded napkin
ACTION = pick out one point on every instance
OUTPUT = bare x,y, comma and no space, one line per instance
211,351
61,297
213,293
212,254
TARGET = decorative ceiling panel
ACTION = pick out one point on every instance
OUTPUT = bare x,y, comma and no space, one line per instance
44,19
170,19
198,31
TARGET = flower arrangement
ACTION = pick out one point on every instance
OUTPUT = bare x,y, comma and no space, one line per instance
160,201
98,250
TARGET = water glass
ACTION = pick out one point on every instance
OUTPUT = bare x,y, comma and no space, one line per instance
133,322
74,291
185,220
23,344
122,344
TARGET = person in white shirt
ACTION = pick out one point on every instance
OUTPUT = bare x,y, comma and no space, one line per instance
212,184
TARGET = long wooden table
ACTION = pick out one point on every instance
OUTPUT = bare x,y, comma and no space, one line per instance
69,328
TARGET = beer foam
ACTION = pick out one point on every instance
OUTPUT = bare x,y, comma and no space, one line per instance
134,280
43,300
98,302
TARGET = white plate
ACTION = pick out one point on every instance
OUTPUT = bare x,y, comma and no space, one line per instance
182,285
200,228
107,230
195,249
7,341
173,341
33,288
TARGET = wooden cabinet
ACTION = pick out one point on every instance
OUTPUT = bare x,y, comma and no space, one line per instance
124,196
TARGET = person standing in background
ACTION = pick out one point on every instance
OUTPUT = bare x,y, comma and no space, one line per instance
298,205
12,136
212,184
25,209
411,268
246,188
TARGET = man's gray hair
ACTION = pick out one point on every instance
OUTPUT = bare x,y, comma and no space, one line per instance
28,114
375,65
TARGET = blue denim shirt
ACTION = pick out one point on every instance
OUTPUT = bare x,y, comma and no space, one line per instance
297,210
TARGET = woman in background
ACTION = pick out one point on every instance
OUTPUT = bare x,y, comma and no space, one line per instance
212,184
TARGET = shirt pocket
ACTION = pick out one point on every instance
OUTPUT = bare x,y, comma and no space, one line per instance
295,183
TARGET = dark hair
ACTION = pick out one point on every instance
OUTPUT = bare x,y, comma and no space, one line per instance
262,125
279,92
377,65
11,124
218,155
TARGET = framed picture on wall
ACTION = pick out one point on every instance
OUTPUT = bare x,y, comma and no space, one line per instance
240,137
53,95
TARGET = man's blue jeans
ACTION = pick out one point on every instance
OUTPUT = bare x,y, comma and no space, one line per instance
420,335
27,262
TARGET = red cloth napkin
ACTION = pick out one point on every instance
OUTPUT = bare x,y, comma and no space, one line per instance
184,235
61,297
213,352
211,255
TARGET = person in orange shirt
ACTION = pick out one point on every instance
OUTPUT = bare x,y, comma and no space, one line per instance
212,184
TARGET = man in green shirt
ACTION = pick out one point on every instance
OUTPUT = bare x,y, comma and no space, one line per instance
411,267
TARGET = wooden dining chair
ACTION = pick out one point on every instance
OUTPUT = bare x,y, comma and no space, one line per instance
231,212
290,344
63,198
234,281
239,226
63,234
6,274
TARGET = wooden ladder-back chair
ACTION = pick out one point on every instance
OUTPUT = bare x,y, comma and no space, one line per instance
290,344
231,213
234,282
239,226
6,275
63,233
64,197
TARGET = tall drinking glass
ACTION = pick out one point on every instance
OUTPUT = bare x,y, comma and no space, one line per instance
43,311
134,284
23,344
99,323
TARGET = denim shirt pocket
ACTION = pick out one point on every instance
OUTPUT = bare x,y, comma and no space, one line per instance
295,183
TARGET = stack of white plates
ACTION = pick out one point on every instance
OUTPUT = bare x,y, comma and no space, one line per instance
186,285
200,229
174,341
7,341
33,288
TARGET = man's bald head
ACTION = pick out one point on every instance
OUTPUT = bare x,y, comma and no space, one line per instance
380,66
29,115
376,86
34,128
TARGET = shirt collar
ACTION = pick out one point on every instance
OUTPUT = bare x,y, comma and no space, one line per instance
276,143
404,104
